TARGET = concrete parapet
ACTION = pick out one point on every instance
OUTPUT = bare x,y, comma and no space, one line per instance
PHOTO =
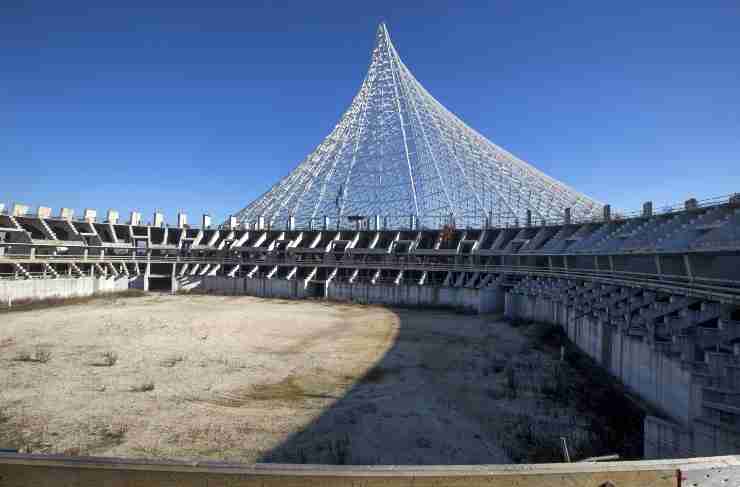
182,220
112,216
66,213
46,470
135,218
158,219
607,213
206,221
691,204
43,212
19,210
647,208
566,216
89,215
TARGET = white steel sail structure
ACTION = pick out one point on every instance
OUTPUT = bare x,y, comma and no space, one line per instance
398,153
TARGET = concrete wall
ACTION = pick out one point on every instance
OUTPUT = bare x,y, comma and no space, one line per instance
14,290
263,288
484,300
654,376
403,295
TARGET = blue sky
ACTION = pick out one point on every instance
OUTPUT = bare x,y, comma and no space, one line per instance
201,106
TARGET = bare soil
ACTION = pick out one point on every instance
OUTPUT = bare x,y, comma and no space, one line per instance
253,380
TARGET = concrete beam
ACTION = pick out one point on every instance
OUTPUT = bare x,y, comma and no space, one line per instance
47,470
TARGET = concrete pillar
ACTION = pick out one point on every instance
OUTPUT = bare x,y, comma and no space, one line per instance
566,216
90,215
19,210
291,223
158,219
2,208
43,212
135,218
647,208
232,222
385,223
206,220
112,216
529,217
691,204
734,200
326,223
182,220
412,222
260,222
376,222
607,213
147,272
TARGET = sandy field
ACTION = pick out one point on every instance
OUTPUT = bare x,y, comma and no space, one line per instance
252,380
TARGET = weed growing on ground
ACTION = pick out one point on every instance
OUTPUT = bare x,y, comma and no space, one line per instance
40,355
145,387
108,359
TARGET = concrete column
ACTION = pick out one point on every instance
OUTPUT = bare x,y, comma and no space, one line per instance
232,222
158,219
412,222
607,213
260,222
2,207
135,218
147,272
206,220
326,223
566,216
182,220
647,208
687,264
291,223
376,222
43,212
734,200
385,223
529,217
90,215
66,213
691,204
19,210
112,217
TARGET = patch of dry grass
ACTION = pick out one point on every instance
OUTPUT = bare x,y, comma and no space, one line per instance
40,355
37,304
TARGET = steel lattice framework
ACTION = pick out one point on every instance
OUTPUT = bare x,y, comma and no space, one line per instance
397,152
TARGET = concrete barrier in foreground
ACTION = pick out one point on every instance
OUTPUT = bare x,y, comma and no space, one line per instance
18,470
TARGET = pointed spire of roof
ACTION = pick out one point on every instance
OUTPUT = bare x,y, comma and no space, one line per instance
397,152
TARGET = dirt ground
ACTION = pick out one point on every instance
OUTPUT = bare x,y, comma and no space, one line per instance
252,380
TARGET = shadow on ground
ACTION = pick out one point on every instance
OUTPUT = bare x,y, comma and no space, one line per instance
469,389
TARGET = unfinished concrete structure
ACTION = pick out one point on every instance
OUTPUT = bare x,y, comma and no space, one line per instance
653,298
